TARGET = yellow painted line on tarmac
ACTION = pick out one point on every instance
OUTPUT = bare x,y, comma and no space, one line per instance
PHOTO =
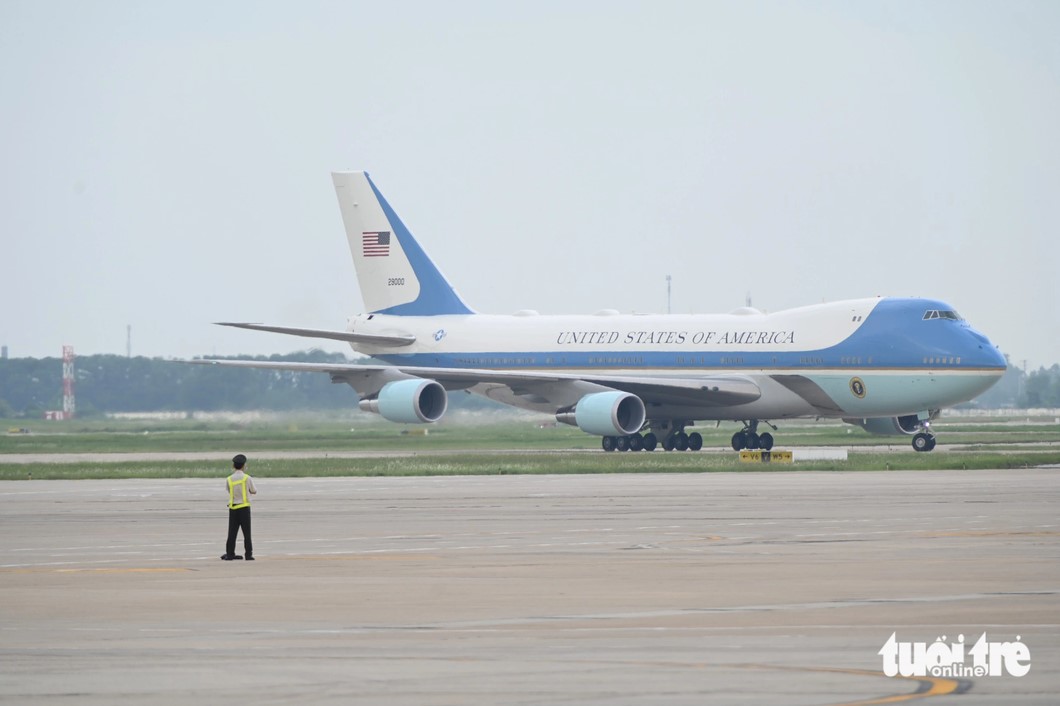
926,686
929,686
54,570
936,686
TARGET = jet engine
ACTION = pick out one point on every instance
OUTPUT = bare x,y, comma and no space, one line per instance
909,424
409,401
612,413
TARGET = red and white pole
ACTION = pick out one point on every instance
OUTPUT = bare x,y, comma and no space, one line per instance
68,382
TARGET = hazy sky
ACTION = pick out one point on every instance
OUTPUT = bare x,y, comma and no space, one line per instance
165,165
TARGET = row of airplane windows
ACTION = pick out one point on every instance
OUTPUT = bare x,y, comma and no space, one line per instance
634,360
681,360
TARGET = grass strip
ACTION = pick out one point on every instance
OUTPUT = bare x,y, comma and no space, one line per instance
529,463
451,438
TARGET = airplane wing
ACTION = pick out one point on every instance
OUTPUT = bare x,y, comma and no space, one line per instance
396,339
559,389
715,391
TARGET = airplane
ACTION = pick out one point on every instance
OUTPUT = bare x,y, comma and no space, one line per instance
886,364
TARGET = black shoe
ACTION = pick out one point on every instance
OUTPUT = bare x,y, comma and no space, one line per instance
250,558
227,557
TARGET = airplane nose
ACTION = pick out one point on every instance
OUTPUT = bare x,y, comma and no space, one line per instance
999,357
989,354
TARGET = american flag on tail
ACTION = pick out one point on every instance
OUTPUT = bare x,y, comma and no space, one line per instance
375,243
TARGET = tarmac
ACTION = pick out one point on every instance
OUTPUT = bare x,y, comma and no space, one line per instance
728,588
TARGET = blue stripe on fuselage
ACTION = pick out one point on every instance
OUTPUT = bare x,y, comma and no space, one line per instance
893,336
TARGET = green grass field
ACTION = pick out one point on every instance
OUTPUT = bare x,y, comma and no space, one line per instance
506,445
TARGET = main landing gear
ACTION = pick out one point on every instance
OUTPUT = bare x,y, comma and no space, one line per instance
678,441
672,434
674,438
749,438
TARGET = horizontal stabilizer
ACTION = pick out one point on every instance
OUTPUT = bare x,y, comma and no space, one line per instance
348,336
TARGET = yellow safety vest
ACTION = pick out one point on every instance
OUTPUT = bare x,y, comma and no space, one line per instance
242,483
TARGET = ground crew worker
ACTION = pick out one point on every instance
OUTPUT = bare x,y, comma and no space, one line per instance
240,487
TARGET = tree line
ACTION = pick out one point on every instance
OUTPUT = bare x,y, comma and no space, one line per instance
113,383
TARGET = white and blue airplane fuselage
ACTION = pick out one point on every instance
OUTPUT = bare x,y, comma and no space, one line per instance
887,364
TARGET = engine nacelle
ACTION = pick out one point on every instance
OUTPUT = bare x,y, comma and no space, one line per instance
909,424
612,413
409,401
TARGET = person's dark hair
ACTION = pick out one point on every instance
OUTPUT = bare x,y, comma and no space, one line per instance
239,461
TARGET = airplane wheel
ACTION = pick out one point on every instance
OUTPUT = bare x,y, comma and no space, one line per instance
608,443
681,441
753,440
931,447
922,442
695,441
636,442
668,443
766,441
650,442
738,441
622,443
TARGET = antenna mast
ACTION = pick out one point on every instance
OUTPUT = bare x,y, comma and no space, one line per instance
68,382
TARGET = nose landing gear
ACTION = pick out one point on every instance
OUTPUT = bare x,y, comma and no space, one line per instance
924,440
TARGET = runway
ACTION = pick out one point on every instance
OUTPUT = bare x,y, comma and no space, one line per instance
733,588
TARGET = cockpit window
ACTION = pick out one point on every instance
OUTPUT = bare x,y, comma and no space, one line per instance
938,314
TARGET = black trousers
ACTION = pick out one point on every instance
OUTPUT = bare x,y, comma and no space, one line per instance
239,520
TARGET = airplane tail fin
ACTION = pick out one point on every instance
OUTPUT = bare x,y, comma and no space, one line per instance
395,275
